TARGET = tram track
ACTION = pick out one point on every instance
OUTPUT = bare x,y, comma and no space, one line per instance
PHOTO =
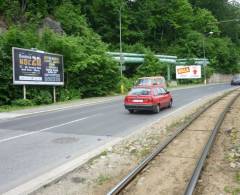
188,147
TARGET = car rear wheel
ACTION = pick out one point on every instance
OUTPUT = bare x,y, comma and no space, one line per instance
156,109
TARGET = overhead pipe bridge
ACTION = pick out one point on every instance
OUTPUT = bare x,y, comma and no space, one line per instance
134,58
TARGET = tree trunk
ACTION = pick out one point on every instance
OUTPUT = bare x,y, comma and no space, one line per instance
23,5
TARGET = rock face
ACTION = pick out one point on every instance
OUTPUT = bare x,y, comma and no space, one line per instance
3,25
53,25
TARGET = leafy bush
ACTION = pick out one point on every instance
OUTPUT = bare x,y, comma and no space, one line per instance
209,71
69,94
128,83
22,102
16,37
43,97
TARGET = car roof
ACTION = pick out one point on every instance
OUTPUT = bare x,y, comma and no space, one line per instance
142,86
147,86
154,77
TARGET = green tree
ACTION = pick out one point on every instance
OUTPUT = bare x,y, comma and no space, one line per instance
17,38
71,19
87,65
151,66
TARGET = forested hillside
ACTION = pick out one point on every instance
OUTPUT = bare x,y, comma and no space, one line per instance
84,30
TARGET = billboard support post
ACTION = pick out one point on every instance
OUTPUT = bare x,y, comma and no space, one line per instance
24,92
168,73
54,94
205,76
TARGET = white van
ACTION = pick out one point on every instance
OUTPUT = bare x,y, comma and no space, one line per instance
148,81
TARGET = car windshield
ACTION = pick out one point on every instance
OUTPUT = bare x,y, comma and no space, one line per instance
140,91
144,82
150,81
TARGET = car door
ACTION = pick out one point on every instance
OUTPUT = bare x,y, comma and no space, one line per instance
160,97
164,97
155,96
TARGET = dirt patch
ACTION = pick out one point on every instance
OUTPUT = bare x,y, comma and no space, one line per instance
100,174
187,144
221,173
161,180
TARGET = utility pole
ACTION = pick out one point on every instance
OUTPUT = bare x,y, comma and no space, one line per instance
204,57
204,62
120,45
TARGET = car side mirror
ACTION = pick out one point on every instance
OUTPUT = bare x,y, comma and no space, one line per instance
167,92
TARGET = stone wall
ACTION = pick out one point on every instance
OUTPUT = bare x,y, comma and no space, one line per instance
220,78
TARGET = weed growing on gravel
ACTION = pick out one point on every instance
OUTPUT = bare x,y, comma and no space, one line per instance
91,161
144,152
178,123
238,176
234,135
232,190
104,153
102,179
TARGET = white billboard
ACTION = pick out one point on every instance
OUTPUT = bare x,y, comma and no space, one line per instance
188,72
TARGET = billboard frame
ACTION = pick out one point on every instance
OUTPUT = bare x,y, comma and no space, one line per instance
190,67
34,82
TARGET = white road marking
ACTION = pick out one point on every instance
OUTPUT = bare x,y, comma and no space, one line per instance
42,130
67,107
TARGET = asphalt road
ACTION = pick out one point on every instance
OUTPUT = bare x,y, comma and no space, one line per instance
35,144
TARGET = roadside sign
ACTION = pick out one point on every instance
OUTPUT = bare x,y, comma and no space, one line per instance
32,67
188,72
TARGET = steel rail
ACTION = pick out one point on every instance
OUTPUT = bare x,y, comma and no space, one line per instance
197,171
125,181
